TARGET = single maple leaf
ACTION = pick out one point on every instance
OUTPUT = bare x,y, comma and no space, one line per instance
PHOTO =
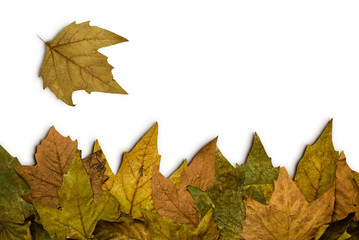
79,212
346,191
73,63
162,228
316,170
13,209
132,185
259,173
54,157
288,215
126,228
178,204
225,197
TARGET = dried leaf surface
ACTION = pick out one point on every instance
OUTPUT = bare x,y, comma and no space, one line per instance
225,197
316,170
13,209
259,173
163,228
346,190
79,212
132,185
289,215
73,63
178,204
125,229
53,157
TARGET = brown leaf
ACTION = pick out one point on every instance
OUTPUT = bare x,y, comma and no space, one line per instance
95,168
289,215
53,157
178,204
346,190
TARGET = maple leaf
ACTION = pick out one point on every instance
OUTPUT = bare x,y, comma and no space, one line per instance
79,212
132,185
178,204
163,228
54,157
316,170
288,215
13,209
126,228
259,173
73,63
225,197
346,190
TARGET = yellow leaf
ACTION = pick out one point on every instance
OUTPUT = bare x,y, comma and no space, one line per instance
132,185
73,63
316,170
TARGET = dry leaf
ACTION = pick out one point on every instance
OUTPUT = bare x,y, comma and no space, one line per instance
73,63
132,185
13,209
79,211
54,157
316,170
163,228
178,204
225,197
259,173
289,216
125,229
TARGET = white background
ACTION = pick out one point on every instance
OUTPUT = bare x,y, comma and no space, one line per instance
199,68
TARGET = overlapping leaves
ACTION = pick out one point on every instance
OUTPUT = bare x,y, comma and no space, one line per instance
65,196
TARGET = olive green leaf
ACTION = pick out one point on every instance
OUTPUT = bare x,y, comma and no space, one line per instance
225,197
39,233
73,63
337,230
163,228
79,212
13,209
259,173
316,170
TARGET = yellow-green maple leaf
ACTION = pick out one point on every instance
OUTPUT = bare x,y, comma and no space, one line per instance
13,209
316,170
73,63
79,212
132,185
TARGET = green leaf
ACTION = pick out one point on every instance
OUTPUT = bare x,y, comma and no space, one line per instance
13,209
259,173
337,229
316,170
73,219
225,197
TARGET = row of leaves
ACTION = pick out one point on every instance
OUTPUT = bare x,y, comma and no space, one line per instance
66,197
